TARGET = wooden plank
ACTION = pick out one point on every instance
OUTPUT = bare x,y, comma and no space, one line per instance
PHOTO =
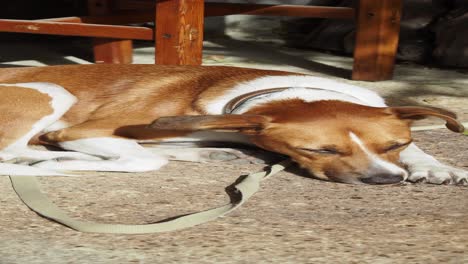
223,9
107,50
179,32
377,30
72,29
120,18
61,19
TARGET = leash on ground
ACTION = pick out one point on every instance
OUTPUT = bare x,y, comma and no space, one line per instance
28,190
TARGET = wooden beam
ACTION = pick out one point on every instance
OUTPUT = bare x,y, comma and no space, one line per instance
134,17
223,9
72,29
377,30
179,32
60,19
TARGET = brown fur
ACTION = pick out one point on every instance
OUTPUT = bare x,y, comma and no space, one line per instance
117,100
315,126
121,100
326,125
26,106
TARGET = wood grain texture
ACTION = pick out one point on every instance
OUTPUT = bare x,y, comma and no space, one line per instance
377,30
118,18
179,32
109,50
74,29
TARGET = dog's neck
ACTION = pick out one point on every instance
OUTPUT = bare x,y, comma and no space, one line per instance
242,104
348,92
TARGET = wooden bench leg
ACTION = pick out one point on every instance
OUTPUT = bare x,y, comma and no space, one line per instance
112,50
109,50
179,32
377,30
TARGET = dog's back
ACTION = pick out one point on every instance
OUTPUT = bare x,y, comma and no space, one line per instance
105,89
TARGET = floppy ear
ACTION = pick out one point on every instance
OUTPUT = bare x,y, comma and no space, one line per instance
416,112
228,123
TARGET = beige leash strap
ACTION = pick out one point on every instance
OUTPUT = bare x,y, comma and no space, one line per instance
27,188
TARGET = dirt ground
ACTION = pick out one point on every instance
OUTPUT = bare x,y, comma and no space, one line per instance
293,219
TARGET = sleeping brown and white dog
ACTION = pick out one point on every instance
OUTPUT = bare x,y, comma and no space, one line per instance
100,114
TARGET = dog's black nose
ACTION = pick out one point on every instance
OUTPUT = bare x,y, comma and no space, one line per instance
382,179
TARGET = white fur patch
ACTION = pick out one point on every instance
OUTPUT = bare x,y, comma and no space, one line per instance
378,165
24,170
306,95
365,96
424,167
122,155
61,101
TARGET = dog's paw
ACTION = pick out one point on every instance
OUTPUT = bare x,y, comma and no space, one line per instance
437,174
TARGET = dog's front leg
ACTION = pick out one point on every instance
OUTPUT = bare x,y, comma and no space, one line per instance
7,169
31,155
422,167
118,154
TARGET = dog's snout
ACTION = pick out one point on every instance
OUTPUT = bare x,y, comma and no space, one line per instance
383,179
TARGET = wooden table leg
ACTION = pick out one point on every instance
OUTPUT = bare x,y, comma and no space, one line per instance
377,30
109,50
179,32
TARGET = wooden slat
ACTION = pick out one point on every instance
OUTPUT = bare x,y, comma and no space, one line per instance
179,32
60,19
72,29
134,17
223,9
378,27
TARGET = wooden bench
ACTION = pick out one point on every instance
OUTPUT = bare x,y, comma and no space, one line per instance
178,33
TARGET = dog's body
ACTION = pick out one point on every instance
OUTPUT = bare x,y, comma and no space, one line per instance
101,112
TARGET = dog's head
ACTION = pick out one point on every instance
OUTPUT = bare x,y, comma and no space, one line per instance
334,140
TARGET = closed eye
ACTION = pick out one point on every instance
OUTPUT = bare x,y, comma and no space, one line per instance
323,151
396,146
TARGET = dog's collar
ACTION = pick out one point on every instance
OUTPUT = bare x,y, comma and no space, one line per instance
233,105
